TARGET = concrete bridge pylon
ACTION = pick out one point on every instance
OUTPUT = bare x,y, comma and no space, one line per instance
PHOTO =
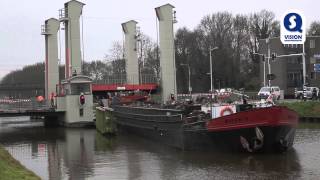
50,30
165,15
131,58
70,16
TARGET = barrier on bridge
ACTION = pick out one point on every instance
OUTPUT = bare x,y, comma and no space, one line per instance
122,79
7,105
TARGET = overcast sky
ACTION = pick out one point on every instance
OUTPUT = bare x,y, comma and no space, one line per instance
20,21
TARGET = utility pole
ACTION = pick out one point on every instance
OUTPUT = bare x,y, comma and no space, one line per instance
189,75
269,54
304,65
264,73
211,87
211,74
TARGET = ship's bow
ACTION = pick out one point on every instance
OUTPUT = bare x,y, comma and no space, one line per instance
270,129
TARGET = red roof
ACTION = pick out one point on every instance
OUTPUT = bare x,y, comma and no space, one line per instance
123,87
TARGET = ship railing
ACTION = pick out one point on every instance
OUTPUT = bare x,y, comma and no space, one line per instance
152,116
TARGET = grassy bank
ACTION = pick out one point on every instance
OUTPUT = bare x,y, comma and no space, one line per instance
11,169
305,108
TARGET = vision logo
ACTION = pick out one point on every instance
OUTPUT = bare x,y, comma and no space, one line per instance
292,28
293,22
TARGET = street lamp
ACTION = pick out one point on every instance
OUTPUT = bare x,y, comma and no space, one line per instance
189,75
269,55
304,64
211,84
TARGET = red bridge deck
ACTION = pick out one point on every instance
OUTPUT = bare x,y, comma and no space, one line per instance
124,87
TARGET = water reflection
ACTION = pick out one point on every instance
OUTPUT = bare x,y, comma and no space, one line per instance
222,165
54,164
168,163
79,152
58,153
105,144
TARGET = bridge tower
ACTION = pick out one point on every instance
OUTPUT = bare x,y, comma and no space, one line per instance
70,16
50,30
167,55
75,92
130,49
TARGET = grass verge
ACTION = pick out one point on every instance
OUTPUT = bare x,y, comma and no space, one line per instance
305,108
12,169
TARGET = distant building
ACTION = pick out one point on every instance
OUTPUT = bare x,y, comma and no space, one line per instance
288,70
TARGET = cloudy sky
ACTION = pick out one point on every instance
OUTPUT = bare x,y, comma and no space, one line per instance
20,21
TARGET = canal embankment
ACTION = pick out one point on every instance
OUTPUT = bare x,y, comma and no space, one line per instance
309,111
12,169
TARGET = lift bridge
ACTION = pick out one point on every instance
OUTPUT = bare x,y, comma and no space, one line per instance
23,99
148,82
71,100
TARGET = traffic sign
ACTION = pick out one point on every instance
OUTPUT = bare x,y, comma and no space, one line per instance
316,67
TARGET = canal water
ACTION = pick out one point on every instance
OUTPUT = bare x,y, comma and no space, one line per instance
60,153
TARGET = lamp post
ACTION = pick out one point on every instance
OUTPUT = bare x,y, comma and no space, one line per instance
269,55
304,65
189,75
211,78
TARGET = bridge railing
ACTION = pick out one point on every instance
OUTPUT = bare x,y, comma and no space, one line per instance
7,105
21,86
122,79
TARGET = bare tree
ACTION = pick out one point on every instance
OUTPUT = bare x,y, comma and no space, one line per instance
241,41
262,26
314,29
96,70
217,30
115,62
149,63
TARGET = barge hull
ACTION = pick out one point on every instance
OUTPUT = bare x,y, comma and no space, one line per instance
273,133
